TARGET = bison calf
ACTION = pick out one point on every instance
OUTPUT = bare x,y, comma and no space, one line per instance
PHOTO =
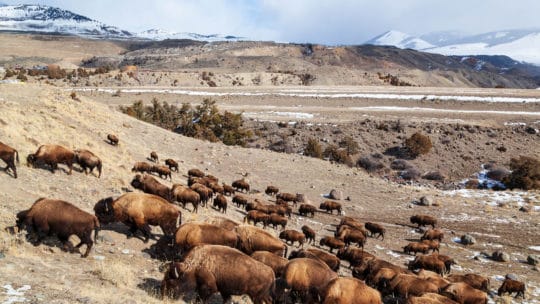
113,139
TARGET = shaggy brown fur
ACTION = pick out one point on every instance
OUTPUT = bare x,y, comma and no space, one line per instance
172,164
209,269
240,200
154,157
138,210
306,209
430,298
195,172
193,234
256,216
162,171
433,234
276,220
271,190
149,184
241,185
60,218
416,247
434,245
52,155
330,206
350,291
423,220
9,155
253,239
293,236
474,280
464,294
223,222
405,285
227,189
288,197
185,195
142,167
220,202
205,193
355,256
429,262
329,259
375,230
351,235
309,233
332,242
275,262
88,160
512,286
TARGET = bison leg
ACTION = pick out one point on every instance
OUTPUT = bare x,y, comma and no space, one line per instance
207,286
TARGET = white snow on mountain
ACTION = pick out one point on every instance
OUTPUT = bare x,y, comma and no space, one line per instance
159,34
400,40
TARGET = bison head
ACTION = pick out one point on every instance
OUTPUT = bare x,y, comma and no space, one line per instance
137,182
104,210
178,280
30,160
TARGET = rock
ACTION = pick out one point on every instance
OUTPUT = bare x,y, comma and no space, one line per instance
426,200
467,239
99,258
336,195
125,251
146,255
84,300
533,259
2,255
500,256
526,209
511,276
105,238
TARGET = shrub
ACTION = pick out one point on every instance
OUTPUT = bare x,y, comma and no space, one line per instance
332,152
410,174
369,164
313,148
418,144
350,145
525,173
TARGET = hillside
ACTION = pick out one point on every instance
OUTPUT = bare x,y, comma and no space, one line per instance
120,270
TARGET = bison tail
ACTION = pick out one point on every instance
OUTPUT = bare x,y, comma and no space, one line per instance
99,166
17,156
97,227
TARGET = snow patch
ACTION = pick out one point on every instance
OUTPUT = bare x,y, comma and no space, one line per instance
15,295
535,248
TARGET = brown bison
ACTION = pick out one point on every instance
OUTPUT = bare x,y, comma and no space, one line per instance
288,197
172,164
113,139
184,195
209,269
195,172
464,294
306,278
253,239
430,298
150,185
433,234
293,236
355,256
351,222
423,220
142,167
162,171
349,291
370,266
434,245
154,157
428,262
227,189
309,233
329,259
193,234
375,230
220,202
306,209
88,160
205,193
405,285
241,185
240,200
351,235
216,188
52,155
271,190
275,262
332,243
512,286
416,247
474,280
9,155
276,220
138,211
223,222
60,218
256,216
330,206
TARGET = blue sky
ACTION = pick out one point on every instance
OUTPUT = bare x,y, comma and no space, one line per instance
318,21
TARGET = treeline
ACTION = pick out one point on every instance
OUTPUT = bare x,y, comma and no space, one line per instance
203,121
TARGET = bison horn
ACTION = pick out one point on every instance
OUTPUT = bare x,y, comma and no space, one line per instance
106,208
176,274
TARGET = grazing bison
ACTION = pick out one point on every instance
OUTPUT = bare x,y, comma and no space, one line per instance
154,157
464,294
241,185
293,236
512,286
113,139
9,155
329,259
305,277
209,269
138,211
416,247
52,155
162,171
88,160
256,216
351,235
253,239
271,190
306,209
276,220
349,291
227,189
142,167
184,195
220,202
172,164
375,229
423,220
195,173
355,256
240,200
150,185
309,233
332,243
60,218
434,245
275,262
433,234
193,234
474,280
330,206
205,193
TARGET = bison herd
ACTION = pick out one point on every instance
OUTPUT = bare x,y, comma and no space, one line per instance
231,258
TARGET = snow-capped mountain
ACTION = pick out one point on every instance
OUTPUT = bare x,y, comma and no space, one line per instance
521,45
400,40
41,18
159,34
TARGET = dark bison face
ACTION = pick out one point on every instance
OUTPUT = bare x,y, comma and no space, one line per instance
104,211
177,281
136,182
294,254
164,248
30,159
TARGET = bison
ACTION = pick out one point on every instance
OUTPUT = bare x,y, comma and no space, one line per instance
275,262
306,209
428,262
330,206
138,211
434,245
293,236
430,298
9,155
405,285
52,155
205,193
375,229
209,269
512,286
433,234
172,164
148,184
309,233
474,280
416,247
288,197
355,256
240,200
332,243
88,160
464,294
227,189
184,195
251,239
351,235
276,220
329,259
113,139
154,157
241,185
220,202
223,222
349,291
162,171
142,167
423,220
256,216
271,190
193,234
195,172
48,217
